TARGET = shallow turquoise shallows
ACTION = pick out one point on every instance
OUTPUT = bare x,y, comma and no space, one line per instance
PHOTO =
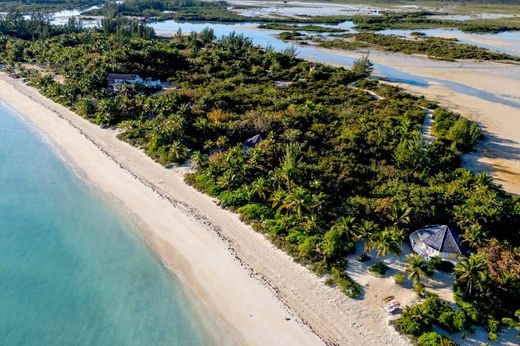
72,270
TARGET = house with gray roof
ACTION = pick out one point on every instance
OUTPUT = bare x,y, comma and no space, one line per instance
117,79
437,240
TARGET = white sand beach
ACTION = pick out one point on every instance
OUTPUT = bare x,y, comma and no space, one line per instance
247,291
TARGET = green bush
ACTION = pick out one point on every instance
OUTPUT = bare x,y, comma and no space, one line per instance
413,321
233,199
439,264
254,211
492,326
419,287
348,286
203,182
464,134
452,321
443,120
435,339
399,279
379,268
418,319
308,247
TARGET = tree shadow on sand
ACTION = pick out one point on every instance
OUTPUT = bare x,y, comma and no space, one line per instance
494,148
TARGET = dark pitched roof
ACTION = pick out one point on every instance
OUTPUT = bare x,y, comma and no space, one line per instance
253,141
443,239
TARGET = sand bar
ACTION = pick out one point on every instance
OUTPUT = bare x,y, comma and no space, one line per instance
250,292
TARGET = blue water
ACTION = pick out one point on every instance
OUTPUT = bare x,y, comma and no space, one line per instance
72,270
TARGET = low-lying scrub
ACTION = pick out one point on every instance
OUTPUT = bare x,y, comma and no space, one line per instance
434,47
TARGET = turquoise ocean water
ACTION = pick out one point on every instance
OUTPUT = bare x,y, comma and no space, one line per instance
73,271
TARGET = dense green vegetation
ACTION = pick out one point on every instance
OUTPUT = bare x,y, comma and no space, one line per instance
37,26
28,6
335,166
420,20
163,9
419,319
434,47
487,287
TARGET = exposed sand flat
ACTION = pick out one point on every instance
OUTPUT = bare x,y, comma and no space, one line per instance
250,292
486,92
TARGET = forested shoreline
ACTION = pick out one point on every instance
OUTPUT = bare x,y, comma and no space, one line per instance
333,165
30,6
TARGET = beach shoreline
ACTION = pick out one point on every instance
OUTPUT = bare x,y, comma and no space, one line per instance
250,292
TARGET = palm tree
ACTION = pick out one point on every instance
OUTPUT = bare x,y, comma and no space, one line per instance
318,200
471,272
365,231
178,151
475,236
289,170
277,198
297,201
199,159
400,214
311,223
346,223
416,266
387,241
260,187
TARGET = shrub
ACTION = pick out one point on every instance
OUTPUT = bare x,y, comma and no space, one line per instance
435,339
348,286
85,107
362,67
399,279
452,321
413,321
419,287
442,265
203,182
443,120
492,326
308,247
254,211
379,268
464,134
232,199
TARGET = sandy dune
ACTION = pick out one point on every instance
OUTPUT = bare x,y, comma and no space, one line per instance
249,291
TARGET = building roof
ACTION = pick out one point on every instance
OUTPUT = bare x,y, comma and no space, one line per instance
441,238
123,76
253,141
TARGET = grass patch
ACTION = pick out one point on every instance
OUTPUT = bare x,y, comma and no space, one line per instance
379,269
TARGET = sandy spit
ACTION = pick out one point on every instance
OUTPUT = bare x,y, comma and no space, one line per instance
246,291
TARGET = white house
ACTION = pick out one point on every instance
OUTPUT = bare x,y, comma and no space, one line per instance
436,240
116,79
